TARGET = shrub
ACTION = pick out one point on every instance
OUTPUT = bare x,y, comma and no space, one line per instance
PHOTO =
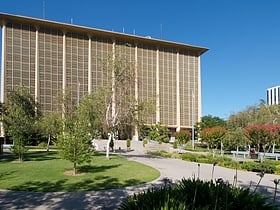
258,167
175,145
145,141
196,194
159,133
277,169
128,143
182,137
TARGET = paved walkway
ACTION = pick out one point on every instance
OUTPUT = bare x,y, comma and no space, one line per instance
109,199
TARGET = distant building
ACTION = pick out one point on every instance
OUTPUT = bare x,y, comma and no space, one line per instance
48,57
273,95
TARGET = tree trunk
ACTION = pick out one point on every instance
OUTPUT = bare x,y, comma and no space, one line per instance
75,168
108,146
48,144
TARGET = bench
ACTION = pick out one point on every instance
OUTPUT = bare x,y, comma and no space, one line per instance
244,153
8,146
270,155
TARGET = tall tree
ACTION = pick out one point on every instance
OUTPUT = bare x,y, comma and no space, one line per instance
122,110
210,121
20,116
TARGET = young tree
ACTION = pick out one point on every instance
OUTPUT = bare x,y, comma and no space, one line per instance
182,137
159,133
74,141
264,136
213,137
20,116
50,125
236,138
90,111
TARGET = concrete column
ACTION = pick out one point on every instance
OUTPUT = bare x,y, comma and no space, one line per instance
63,72
89,66
3,59
157,89
199,108
136,132
64,63
178,108
37,65
3,70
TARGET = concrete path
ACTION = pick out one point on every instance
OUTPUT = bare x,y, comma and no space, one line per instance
110,199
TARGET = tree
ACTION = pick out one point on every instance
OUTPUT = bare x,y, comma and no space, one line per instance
263,136
159,133
50,125
90,110
74,141
213,136
235,137
210,121
122,110
20,116
182,137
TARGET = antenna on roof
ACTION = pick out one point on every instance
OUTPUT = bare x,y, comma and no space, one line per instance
44,9
160,31
71,20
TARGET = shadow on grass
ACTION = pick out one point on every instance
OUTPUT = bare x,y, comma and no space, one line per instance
95,169
41,155
100,183
30,156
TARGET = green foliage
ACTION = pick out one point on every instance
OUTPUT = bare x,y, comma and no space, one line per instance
210,121
175,145
161,153
91,111
128,143
213,136
258,167
235,138
145,141
19,119
159,133
75,142
196,194
182,137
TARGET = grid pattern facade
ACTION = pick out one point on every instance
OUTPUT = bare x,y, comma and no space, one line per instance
50,65
20,57
71,57
146,67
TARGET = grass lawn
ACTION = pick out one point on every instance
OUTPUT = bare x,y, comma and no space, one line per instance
45,172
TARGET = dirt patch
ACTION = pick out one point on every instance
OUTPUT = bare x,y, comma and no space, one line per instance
71,173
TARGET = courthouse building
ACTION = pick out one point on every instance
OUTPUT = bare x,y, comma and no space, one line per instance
47,57
273,95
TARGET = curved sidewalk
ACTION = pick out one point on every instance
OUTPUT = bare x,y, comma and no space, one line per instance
172,169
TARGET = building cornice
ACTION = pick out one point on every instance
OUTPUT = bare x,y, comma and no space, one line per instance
98,32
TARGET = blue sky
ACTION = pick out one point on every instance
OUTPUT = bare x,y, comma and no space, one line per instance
243,37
